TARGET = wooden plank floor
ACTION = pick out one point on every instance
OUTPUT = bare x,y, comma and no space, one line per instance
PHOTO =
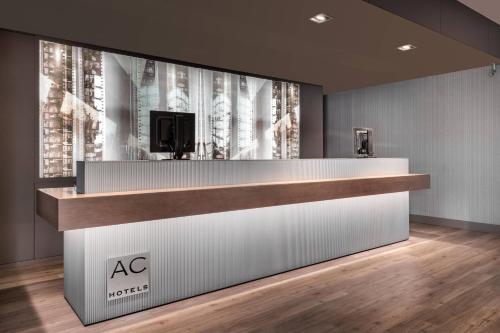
441,280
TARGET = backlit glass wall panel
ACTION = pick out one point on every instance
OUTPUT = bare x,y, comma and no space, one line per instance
95,105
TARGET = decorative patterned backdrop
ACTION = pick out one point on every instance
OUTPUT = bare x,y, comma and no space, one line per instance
95,105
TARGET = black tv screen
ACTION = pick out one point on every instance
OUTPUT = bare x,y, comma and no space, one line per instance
172,132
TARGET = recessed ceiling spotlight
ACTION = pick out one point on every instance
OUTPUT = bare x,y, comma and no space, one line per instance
320,18
406,47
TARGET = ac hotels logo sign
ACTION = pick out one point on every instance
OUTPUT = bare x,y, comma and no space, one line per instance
127,275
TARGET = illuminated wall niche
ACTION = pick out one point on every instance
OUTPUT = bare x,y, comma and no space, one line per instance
95,105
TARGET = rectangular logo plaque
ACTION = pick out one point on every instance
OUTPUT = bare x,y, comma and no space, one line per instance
127,275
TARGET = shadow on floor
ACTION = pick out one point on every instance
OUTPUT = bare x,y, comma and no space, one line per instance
17,312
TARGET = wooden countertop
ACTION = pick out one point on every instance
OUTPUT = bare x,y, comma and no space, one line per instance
67,210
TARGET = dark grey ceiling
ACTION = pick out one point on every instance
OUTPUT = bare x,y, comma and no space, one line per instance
267,37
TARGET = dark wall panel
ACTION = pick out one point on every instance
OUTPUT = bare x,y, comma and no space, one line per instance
423,12
48,241
17,166
311,121
461,23
494,39
23,236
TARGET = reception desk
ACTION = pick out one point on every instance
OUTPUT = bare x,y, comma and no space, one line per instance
139,234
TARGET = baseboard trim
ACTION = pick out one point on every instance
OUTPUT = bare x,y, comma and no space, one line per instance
459,224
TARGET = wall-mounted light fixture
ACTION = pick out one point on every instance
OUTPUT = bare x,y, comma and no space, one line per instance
320,18
493,70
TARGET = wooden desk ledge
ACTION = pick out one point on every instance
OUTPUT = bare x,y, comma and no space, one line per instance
67,210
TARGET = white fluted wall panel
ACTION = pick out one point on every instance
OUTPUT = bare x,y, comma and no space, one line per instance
197,254
74,278
112,176
447,125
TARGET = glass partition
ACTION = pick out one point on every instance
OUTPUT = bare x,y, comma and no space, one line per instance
95,105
